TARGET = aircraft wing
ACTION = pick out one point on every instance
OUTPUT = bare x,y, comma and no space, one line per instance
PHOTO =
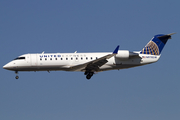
95,64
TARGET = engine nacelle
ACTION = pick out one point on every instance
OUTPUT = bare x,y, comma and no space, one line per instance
123,54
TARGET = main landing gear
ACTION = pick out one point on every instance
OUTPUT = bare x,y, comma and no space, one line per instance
89,75
17,77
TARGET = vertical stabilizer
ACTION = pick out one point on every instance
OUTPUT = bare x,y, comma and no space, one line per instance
156,44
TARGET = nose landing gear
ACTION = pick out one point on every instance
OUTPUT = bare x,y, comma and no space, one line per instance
17,77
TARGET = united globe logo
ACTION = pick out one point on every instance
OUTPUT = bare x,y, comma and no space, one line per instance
151,48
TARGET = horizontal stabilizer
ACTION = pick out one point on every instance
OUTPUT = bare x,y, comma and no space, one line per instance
168,36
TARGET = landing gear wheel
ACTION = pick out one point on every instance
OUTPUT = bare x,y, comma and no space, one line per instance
89,75
17,77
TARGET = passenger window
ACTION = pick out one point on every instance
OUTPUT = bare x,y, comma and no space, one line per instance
40,58
45,58
61,58
55,58
50,58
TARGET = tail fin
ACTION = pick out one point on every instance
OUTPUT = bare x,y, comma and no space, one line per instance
156,44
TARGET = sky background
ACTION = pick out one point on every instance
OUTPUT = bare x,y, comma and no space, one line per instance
148,92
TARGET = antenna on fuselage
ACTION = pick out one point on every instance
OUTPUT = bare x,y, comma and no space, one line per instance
75,52
43,52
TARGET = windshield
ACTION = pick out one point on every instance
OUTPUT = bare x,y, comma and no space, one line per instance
19,58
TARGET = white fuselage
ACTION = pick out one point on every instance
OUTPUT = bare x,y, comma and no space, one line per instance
89,63
64,61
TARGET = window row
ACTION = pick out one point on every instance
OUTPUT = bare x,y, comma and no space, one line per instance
91,58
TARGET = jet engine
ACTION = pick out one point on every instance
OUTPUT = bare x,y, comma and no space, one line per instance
125,54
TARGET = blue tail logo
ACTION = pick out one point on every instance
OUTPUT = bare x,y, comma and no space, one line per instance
156,45
151,48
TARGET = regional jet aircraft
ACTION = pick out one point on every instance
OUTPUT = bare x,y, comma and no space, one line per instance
90,63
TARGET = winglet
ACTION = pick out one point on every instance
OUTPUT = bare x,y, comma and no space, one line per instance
116,50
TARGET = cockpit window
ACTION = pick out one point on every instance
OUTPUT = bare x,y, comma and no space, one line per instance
19,58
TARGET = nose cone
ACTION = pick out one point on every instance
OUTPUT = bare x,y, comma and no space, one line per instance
6,66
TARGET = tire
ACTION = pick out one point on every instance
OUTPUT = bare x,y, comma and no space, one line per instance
88,76
17,77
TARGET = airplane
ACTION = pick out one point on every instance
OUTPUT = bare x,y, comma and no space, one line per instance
90,63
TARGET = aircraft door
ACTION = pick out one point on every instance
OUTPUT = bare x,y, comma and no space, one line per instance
27,60
33,59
